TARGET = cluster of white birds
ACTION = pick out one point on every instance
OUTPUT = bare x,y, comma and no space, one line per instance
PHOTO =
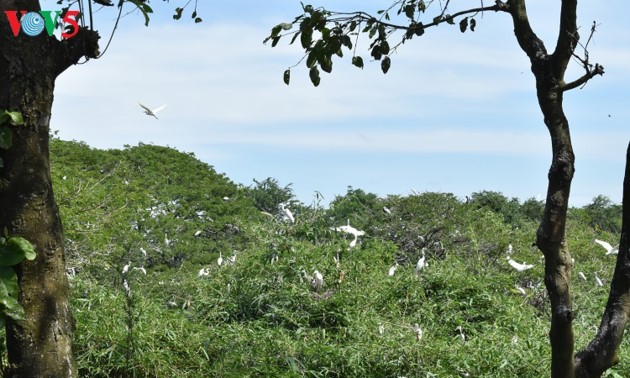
351,231
421,264
204,272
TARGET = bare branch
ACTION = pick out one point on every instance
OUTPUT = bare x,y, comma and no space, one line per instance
590,73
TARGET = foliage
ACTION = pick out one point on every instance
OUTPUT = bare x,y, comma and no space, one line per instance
268,194
259,316
6,136
13,250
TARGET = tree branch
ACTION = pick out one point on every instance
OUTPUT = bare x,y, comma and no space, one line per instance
568,37
590,73
70,51
527,39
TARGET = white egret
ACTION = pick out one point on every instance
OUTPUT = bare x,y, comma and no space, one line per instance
422,263
287,213
140,269
381,329
151,112
582,276
387,211
393,268
125,268
520,289
167,241
509,250
418,331
203,272
461,335
598,280
519,267
232,259
144,252
352,231
220,259
198,232
610,250
318,281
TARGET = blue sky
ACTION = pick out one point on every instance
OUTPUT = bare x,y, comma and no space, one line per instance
456,113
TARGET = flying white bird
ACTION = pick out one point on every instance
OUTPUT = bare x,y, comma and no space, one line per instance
422,263
287,213
151,112
352,231
582,276
318,281
610,250
203,272
519,267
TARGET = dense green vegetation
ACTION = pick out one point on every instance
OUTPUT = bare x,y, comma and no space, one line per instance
163,210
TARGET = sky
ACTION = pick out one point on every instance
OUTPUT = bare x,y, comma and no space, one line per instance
456,113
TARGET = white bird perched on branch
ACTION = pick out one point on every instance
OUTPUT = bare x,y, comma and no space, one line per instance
318,281
352,231
151,112
418,331
519,267
610,250
387,211
582,276
422,263
287,213
598,280
125,268
220,259
203,272
393,268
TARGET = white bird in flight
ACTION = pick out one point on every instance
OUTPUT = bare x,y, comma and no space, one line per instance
151,112
352,231
610,250
519,267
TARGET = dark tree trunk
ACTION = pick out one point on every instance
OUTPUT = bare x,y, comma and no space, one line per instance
41,345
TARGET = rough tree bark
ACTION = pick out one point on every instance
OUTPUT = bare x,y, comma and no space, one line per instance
40,346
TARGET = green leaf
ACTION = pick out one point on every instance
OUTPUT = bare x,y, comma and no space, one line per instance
12,308
314,75
376,52
146,9
178,13
14,250
16,117
274,41
357,61
385,64
198,20
306,38
286,77
463,24
286,26
24,245
6,137
385,47
473,24
276,30
326,64
8,282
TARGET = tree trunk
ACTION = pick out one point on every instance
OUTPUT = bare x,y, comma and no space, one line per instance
41,345
601,353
